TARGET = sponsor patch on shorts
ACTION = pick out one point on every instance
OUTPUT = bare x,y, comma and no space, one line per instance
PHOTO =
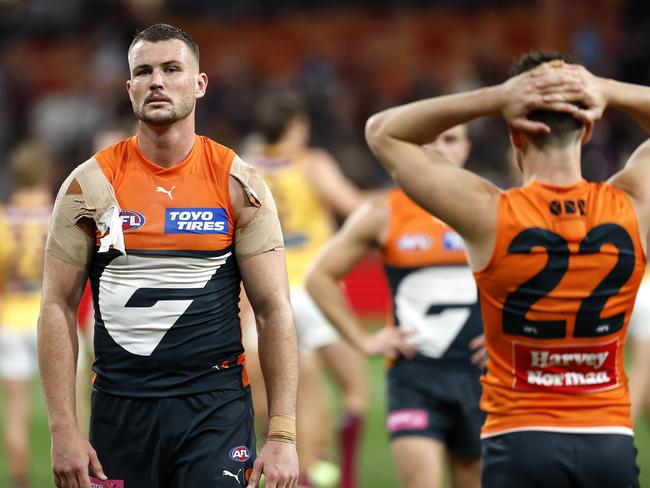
241,454
568,369
196,221
407,419
97,483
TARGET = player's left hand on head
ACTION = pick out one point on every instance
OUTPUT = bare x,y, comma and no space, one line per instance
278,462
479,350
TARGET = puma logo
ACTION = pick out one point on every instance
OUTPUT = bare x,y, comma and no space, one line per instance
225,472
160,189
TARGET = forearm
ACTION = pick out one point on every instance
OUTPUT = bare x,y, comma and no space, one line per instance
328,295
632,99
57,357
422,121
278,352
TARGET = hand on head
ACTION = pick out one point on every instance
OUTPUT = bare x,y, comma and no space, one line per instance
553,86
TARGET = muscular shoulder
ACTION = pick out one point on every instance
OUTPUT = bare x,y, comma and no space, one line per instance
370,222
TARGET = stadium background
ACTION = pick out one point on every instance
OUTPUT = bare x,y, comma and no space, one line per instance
63,67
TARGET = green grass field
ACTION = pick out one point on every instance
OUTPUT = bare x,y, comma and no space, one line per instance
376,466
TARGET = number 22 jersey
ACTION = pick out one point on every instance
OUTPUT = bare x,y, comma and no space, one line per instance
556,299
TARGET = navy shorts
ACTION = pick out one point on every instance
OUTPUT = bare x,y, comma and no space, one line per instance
533,459
204,439
441,403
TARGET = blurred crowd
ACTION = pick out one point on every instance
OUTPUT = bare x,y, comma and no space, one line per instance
63,67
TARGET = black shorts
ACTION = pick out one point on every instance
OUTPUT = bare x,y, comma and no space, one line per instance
533,459
205,439
442,404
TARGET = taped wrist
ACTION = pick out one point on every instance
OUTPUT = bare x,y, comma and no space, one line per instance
282,428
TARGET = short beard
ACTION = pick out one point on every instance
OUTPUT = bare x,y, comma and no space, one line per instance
164,119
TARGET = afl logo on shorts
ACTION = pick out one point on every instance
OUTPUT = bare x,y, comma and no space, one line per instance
241,454
131,220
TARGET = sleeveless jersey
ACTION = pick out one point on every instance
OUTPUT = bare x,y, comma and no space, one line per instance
305,220
433,290
24,224
166,313
556,297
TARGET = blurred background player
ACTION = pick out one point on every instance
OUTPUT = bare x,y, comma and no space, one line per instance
640,348
24,222
557,263
309,188
433,387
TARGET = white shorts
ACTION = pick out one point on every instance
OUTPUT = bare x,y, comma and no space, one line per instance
314,331
640,321
18,355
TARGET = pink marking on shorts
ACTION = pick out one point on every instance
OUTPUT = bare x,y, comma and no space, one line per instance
408,419
97,483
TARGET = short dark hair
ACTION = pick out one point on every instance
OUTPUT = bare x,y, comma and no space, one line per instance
275,111
164,32
563,125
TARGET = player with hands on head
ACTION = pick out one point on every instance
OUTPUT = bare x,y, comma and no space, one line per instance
433,385
557,263
167,224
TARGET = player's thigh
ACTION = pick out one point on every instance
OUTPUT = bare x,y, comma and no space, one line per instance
217,447
465,471
419,461
125,433
348,367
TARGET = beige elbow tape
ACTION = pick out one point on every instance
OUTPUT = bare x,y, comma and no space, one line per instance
263,232
282,428
85,194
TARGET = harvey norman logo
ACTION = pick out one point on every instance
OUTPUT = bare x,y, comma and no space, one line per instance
566,368
196,221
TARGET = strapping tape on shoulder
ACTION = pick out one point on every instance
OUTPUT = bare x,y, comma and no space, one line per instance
263,232
85,194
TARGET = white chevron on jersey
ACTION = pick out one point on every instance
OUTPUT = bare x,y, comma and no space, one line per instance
140,329
431,286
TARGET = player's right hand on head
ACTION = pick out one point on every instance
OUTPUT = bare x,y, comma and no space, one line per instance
553,86
72,455
390,342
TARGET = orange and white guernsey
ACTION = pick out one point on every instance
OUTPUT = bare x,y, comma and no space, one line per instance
556,299
433,290
167,311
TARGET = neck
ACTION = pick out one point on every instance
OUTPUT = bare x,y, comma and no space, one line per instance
169,145
558,166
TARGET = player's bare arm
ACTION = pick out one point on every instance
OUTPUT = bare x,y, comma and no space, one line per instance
265,281
363,231
63,283
462,199
332,186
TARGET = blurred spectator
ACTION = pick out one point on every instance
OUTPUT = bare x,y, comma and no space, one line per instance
24,222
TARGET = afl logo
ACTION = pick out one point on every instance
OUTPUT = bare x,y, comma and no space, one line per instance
131,220
241,454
